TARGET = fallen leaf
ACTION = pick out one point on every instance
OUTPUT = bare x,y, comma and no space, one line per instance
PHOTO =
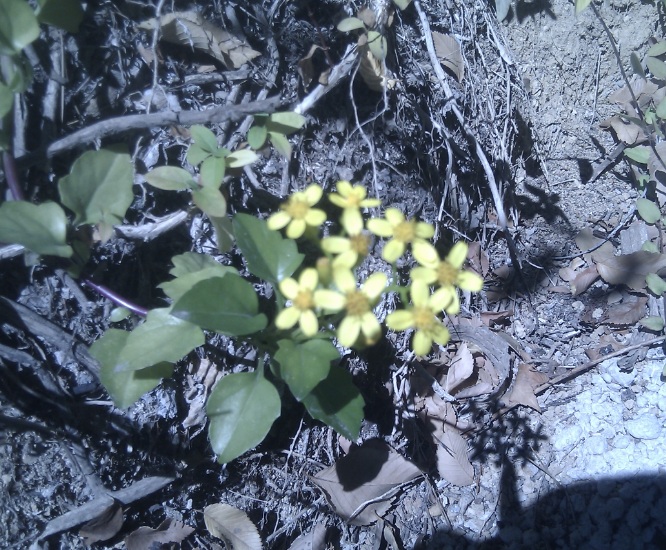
490,318
233,526
360,486
169,531
312,540
452,461
628,269
584,280
371,70
626,313
449,53
478,259
190,29
522,391
104,526
460,370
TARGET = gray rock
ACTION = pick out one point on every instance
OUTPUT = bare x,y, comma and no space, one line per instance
644,427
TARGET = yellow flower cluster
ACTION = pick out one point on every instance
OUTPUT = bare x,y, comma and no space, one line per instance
332,287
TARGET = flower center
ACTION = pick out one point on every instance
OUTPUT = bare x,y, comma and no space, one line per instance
360,244
357,303
446,274
424,318
297,208
354,198
304,300
405,231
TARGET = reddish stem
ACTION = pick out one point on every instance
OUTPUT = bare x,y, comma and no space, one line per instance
115,298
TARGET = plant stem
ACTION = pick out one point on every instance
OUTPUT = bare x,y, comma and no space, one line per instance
115,298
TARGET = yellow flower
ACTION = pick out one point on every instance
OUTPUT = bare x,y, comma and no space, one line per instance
403,232
350,251
358,303
303,298
448,274
422,316
351,199
297,213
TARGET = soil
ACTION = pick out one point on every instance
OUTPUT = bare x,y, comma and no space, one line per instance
535,89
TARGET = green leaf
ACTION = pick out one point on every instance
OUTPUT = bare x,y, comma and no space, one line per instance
337,402
639,153
350,24
636,65
204,138
64,14
119,314
648,210
163,337
402,4
98,189
212,171
657,67
269,256
18,26
256,137
177,288
171,178
281,144
285,123
224,233
658,49
241,158
655,283
581,5
40,228
125,388
6,100
242,408
303,366
191,262
653,323
502,7
649,246
196,155
378,45
211,201
228,305
661,109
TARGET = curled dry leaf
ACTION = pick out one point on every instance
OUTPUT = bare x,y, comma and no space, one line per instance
522,391
233,526
104,526
449,53
190,29
361,485
312,540
462,367
626,313
169,531
629,269
583,280
452,461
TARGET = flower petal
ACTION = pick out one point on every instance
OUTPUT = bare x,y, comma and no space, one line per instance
374,285
425,254
296,229
420,293
352,220
315,217
344,280
370,327
348,331
400,320
393,250
454,307
424,274
425,230
344,188
309,279
337,200
329,300
289,287
421,343
278,220
287,318
442,298
381,228
308,323
468,280
313,194
394,216
456,256
370,203
441,335
335,245
346,260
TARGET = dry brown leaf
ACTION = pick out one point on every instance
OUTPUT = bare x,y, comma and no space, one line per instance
190,29
371,70
628,269
583,280
478,259
452,461
360,486
656,163
489,318
233,526
461,369
487,380
626,313
449,53
626,131
522,391
104,526
312,540
585,240
169,531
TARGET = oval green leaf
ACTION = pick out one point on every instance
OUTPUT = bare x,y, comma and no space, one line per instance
212,171
6,100
581,5
302,366
285,123
337,402
657,67
648,210
256,136
653,323
655,283
269,256
191,262
281,144
204,138
18,26
64,14
378,45
242,408
211,201
41,228
350,24
224,233
171,178
228,305
177,288
639,153
241,158
658,49
98,189
196,155
163,337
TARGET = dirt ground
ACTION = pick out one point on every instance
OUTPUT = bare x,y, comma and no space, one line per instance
534,90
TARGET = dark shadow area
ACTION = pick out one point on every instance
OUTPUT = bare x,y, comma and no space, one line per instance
523,9
543,204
